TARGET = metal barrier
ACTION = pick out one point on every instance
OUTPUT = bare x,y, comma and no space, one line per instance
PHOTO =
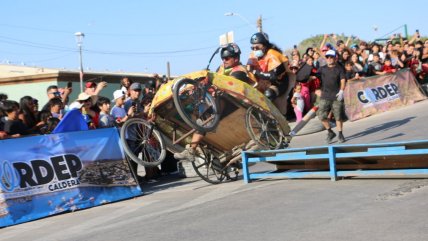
398,158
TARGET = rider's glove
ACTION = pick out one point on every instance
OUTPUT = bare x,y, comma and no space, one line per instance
339,95
262,75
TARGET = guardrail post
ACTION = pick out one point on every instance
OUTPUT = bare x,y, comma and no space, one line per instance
245,171
332,163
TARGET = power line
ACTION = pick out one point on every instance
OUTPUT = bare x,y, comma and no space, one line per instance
214,30
104,52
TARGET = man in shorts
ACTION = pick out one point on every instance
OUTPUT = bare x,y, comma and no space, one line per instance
332,86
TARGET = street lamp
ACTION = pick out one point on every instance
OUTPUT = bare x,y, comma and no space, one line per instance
79,39
259,20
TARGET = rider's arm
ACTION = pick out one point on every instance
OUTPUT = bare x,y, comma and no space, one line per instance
272,76
241,75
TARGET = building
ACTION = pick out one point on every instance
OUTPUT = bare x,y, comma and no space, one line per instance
18,81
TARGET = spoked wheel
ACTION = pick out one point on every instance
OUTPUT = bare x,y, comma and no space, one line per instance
207,165
142,142
195,105
263,129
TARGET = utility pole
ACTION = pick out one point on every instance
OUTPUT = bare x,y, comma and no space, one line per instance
259,24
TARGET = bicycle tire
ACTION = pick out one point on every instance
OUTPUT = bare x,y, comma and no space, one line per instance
153,149
208,167
264,130
195,104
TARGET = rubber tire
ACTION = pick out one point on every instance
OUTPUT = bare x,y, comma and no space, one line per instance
250,111
155,134
182,112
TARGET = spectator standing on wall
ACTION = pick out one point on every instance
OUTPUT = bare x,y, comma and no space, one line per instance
332,86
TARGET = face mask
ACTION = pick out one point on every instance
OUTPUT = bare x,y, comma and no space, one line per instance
259,53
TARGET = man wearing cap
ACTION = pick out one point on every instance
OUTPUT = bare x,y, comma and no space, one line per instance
133,106
92,88
332,86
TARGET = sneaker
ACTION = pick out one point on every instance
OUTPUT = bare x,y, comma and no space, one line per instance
341,138
187,155
330,137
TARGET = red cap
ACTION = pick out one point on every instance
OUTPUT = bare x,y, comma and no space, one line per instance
90,84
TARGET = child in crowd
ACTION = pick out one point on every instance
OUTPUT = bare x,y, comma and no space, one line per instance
43,117
51,124
387,67
118,112
375,67
105,119
298,103
350,73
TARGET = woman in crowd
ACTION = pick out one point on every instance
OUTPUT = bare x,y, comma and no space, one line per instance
27,114
357,66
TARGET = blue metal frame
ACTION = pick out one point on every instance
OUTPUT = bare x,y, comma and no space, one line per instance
334,153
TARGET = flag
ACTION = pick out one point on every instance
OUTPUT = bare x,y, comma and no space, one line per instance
72,121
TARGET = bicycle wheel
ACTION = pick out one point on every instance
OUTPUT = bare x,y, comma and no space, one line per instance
263,129
198,108
207,165
142,142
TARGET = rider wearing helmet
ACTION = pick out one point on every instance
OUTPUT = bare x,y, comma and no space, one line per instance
231,66
268,65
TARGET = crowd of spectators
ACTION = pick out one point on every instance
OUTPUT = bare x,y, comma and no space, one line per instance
359,59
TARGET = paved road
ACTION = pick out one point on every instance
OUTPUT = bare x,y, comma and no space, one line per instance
309,209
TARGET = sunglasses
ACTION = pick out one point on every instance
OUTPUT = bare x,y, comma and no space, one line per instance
55,93
256,48
227,58
329,57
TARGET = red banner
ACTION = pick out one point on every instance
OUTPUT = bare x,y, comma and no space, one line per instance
381,93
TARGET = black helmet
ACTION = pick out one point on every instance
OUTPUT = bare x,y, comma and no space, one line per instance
230,50
151,84
260,38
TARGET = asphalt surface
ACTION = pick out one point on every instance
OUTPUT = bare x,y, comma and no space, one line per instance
274,209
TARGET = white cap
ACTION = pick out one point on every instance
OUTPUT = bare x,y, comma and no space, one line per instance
83,96
75,105
331,53
118,94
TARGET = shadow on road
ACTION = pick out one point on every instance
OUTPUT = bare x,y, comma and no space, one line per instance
166,182
382,128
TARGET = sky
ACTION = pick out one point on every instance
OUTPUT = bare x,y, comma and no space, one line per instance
143,36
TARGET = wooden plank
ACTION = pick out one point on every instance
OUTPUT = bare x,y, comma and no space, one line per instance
230,132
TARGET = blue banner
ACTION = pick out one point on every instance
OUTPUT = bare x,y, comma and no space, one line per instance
50,174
